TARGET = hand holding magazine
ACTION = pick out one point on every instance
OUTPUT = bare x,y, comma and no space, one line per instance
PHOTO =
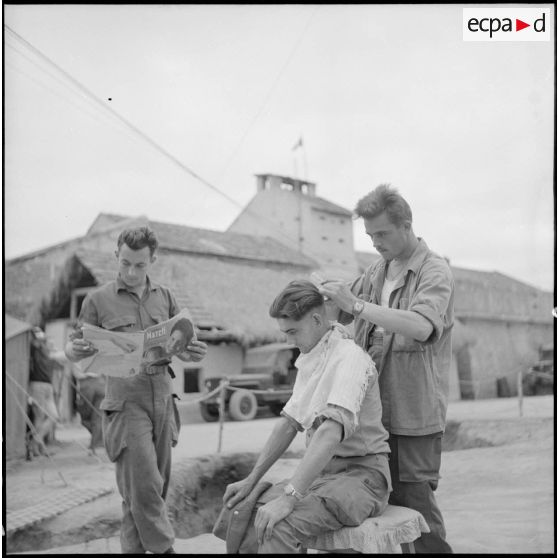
125,354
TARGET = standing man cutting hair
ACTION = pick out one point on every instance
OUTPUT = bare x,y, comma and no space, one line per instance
403,312
140,423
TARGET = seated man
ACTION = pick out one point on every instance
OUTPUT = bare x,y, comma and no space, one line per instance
343,477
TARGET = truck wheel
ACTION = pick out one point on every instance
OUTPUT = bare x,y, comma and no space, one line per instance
209,413
243,405
276,408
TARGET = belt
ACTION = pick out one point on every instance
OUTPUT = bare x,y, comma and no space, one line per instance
150,370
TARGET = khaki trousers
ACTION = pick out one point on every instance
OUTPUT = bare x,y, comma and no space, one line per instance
339,496
139,429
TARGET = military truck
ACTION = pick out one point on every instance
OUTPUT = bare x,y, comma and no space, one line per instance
266,380
539,379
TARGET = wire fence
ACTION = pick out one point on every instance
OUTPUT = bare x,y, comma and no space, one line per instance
218,396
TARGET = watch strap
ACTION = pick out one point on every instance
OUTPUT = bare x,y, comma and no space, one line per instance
290,490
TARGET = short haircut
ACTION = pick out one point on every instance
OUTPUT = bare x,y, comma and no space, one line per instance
384,198
186,327
138,238
295,301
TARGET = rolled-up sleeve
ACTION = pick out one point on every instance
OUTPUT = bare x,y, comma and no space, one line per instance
88,313
432,297
293,422
174,308
341,415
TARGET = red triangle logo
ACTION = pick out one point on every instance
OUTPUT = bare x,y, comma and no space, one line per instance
519,25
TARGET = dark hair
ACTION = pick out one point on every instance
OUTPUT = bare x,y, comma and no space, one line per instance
138,238
295,301
186,327
384,198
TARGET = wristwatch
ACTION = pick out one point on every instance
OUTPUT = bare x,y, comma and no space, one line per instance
290,490
358,307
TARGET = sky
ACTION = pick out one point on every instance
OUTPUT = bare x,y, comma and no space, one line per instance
379,94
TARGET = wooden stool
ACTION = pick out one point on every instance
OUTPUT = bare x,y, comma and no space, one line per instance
376,535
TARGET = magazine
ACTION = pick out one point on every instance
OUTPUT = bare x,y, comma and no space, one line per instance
126,354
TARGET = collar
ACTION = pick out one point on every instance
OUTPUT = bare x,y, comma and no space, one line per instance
121,286
413,263
415,259
322,341
418,255
335,330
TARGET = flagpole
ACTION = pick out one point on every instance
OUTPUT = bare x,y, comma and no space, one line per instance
297,145
304,160
294,150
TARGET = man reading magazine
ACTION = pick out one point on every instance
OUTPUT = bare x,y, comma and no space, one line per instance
139,425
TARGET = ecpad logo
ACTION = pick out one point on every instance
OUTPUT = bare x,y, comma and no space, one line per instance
506,24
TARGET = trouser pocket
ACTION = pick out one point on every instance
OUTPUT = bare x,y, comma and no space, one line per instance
416,458
349,499
114,427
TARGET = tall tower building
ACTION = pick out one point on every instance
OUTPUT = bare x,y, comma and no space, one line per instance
288,210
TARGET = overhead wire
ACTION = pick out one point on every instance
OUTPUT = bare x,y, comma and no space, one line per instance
269,93
99,103
53,91
126,122
88,108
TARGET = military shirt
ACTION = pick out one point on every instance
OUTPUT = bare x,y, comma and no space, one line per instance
113,306
413,375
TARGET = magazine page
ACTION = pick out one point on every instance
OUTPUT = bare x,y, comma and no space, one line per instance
118,354
124,354
168,339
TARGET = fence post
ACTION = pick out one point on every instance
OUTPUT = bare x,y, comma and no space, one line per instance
520,392
222,384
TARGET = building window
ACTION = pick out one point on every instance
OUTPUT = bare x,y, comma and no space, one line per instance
324,237
322,217
342,221
341,240
191,380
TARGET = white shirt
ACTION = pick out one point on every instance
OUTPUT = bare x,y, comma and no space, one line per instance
387,289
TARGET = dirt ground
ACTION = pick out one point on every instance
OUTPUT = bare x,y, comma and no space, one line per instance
497,495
